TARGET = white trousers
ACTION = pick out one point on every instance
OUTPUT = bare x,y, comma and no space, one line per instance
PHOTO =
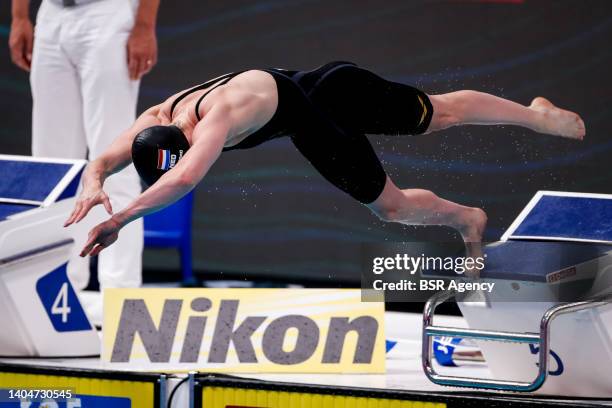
83,99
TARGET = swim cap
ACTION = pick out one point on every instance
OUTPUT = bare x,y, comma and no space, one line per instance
156,150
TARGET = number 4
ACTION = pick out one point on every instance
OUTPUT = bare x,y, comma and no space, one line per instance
60,304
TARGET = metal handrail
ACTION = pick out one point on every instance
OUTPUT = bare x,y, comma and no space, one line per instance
542,339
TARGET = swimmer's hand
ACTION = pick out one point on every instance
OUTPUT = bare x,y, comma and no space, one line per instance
91,196
100,237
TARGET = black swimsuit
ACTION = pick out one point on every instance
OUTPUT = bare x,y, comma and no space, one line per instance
328,111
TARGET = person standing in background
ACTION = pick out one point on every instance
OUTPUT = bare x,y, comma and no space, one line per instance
86,59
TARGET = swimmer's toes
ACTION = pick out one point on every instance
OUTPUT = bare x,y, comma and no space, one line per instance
576,128
581,128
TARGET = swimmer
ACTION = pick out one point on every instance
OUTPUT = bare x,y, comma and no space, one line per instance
327,113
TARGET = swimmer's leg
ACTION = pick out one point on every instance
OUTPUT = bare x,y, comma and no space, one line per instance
422,207
478,108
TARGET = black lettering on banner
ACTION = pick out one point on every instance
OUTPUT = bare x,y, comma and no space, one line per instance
241,337
366,328
274,337
135,318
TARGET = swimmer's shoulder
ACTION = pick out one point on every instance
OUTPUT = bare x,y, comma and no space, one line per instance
254,80
253,75
254,83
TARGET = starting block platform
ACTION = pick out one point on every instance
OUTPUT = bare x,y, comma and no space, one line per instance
547,327
564,216
30,183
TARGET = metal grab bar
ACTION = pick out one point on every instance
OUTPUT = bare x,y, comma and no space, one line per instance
542,339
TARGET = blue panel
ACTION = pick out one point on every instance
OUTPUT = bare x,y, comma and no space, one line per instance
73,186
569,217
30,180
61,302
170,226
10,209
175,217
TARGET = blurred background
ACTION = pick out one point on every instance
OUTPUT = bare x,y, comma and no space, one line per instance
266,213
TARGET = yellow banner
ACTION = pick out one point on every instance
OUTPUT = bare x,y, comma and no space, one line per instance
243,330
79,390
224,397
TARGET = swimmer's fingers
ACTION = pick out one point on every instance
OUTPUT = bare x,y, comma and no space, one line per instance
73,215
101,237
91,242
80,211
97,249
85,207
107,204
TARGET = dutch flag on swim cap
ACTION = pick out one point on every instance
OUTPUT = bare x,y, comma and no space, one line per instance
163,159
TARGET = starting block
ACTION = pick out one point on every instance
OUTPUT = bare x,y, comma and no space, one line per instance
42,315
547,327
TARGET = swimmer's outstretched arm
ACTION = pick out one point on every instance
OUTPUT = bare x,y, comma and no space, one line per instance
114,159
209,138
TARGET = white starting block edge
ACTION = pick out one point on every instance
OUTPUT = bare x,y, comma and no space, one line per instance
509,233
76,167
26,238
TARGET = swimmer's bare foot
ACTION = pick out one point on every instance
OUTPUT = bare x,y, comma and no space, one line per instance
556,121
471,226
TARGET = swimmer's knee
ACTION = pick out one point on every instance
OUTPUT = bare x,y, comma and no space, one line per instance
445,113
452,108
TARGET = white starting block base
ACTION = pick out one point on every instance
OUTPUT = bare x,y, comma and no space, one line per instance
580,362
32,331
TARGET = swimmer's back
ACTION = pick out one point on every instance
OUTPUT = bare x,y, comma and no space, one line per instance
255,82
